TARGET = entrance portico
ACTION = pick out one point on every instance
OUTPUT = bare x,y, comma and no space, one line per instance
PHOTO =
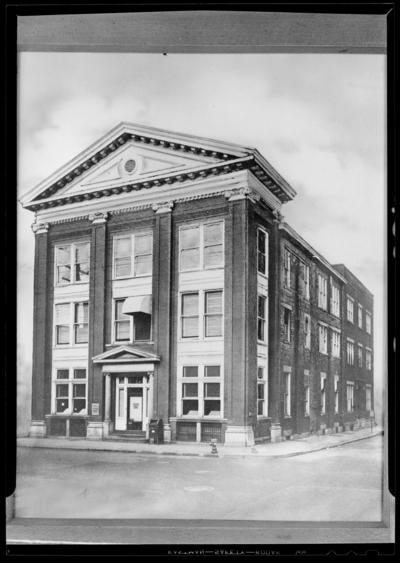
129,389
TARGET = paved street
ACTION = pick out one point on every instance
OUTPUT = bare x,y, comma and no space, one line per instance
342,484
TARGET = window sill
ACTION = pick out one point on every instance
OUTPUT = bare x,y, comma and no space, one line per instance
287,416
131,277
202,269
263,417
65,346
71,283
323,353
62,415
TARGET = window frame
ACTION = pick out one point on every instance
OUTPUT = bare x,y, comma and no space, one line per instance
323,393
368,359
261,230
287,316
360,316
307,396
201,379
368,322
350,353
368,400
131,321
336,341
335,303
71,382
350,396
322,292
261,320
360,355
202,300
307,333
202,245
71,325
72,263
133,241
350,310
322,339
336,394
286,267
262,382
287,394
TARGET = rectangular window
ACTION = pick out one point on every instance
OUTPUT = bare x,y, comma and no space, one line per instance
360,356
350,353
368,323
323,339
322,292
262,252
65,334
213,313
286,323
286,397
71,394
201,246
336,393
63,323
360,316
335,344
335,301
261,392
307,400
81,326
122,323
368,359
190,315
368,398
72,263
305,276
202,397
350,397
350,310
286,265
307,331
261,318
323,393
133,255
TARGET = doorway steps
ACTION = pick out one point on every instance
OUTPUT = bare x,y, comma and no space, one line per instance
128,436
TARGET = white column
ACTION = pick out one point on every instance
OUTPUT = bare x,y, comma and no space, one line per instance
151,394
107,409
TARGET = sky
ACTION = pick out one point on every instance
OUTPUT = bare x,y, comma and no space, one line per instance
320,120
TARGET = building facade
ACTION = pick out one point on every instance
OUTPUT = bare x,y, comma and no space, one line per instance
168,287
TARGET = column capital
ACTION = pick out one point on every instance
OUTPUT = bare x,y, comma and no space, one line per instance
39,228
98,217
163,206
278,217
242,193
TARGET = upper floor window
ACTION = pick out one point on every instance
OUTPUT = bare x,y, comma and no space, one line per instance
360,316
323,339
307,331
262,315
368,322
322,292
76,332
70,391
201,246
286,323
262,252
212,315
335,301
350,353
350,396
323,393
261,392
368,398
133,255
360,355
307,400
305,279
368,359
336,393
133,327
286,266
335,344
72,263
350,309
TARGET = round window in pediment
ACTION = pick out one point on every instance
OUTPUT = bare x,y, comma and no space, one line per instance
130,166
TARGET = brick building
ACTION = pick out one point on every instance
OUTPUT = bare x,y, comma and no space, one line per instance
167,286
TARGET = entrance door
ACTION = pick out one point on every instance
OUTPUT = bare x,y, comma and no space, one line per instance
135,409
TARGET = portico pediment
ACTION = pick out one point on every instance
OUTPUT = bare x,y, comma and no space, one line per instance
125,355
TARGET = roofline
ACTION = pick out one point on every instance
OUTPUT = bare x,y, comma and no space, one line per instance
362,286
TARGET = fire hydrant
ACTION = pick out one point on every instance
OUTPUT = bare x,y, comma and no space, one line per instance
214,446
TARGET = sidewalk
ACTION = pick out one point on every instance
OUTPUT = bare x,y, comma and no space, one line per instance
287,448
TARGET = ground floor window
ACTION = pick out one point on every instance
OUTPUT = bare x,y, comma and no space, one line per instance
336,392
350,396
201,391
70,391
307,400
323,393
368,402
286,397
262,409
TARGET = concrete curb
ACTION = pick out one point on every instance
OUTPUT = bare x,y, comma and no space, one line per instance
219,455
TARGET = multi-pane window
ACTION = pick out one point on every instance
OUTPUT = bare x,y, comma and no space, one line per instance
323,393
360,355
323,339
368,359
305,277
307,400
261,392
70,391
72,263
368,322
132,327
262,252
307,331
350,396
335,301
286,397
368,398
322,291
212,316
350,353
77,332
201,246
261,318
286,267
336,393
133,255
286,323
360,316
335,344
201,391
350,309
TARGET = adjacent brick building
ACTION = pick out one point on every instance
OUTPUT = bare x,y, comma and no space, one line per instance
167,286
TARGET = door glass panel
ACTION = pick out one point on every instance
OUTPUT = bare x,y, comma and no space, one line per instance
121,401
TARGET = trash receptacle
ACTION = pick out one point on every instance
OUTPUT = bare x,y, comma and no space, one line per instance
156,431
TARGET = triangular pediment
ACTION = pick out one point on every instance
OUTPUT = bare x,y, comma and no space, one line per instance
125,354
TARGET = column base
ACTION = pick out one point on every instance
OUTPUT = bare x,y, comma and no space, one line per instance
167,433
107,428
37,429
94,431
239,436
276,433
